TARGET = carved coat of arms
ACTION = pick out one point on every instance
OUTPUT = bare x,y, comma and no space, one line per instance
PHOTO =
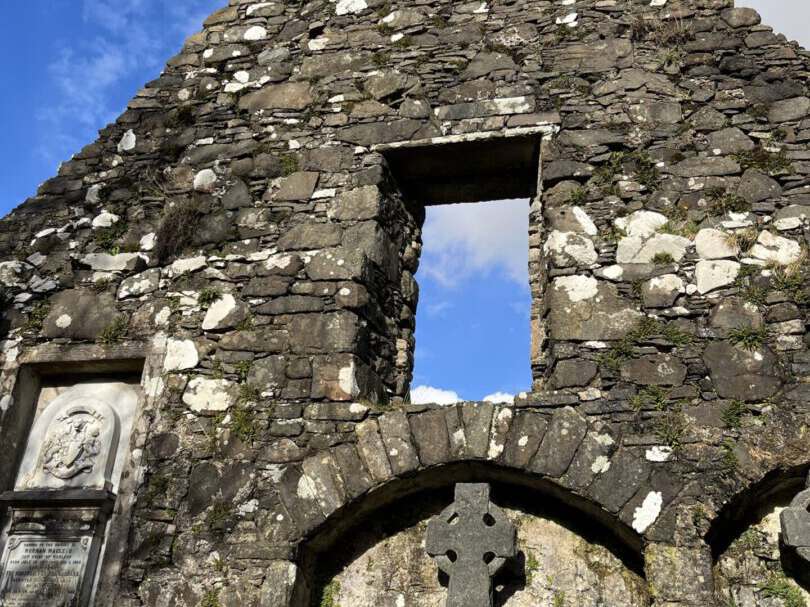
72,445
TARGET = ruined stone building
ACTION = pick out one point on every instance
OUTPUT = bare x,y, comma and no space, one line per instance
209,318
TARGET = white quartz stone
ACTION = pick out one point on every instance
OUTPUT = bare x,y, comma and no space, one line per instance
181,354
104,220
147,242
225,312
348,7
641,223
104,262
714,274
257,32
127,142
205,180
585,222
776,249
714,244
635,249
187,265
646,514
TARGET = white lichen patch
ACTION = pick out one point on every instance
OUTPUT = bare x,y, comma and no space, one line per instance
658,454
577,287
204,394
64,321
646,514
570,249
600,465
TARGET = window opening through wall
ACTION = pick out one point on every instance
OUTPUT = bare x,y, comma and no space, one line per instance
472,321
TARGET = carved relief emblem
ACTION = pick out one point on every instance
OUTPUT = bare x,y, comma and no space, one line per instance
73,445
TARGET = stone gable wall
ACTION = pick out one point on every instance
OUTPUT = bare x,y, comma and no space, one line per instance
238,222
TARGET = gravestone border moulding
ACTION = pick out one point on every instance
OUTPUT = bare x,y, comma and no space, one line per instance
66,497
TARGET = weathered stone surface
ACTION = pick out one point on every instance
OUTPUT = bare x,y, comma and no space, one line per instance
729,141
734,313
662,291
776,249
654,370
288,96
79,314
742,374
711,275
574,373
122,262
789,109
298,186
142,284
225,313
396,435
429,431
756,187
582,308
560,442
715,244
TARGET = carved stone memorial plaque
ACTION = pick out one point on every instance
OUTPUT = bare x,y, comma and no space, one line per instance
43,572
63,495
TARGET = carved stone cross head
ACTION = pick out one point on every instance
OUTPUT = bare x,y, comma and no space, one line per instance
470,541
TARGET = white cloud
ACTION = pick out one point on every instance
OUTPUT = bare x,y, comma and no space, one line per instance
460,241
127,38
500,397
424,395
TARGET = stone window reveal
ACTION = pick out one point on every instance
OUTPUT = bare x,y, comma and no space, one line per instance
476,167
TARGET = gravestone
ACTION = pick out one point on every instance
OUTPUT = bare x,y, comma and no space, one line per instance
63,497
470,541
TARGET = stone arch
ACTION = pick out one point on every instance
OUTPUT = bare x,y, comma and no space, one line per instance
515,488
747,533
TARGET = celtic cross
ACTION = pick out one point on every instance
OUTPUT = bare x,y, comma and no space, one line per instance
470,541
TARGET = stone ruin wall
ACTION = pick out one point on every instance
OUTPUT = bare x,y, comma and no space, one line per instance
240,230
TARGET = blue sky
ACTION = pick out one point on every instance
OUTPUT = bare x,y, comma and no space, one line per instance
72,65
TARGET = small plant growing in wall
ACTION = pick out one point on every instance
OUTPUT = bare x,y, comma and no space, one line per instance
329,595
210,599
733,413
729,455
779,587
208,296
37,315
671,428
177,228
532,566
663,259
115,331
748,338
107,238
